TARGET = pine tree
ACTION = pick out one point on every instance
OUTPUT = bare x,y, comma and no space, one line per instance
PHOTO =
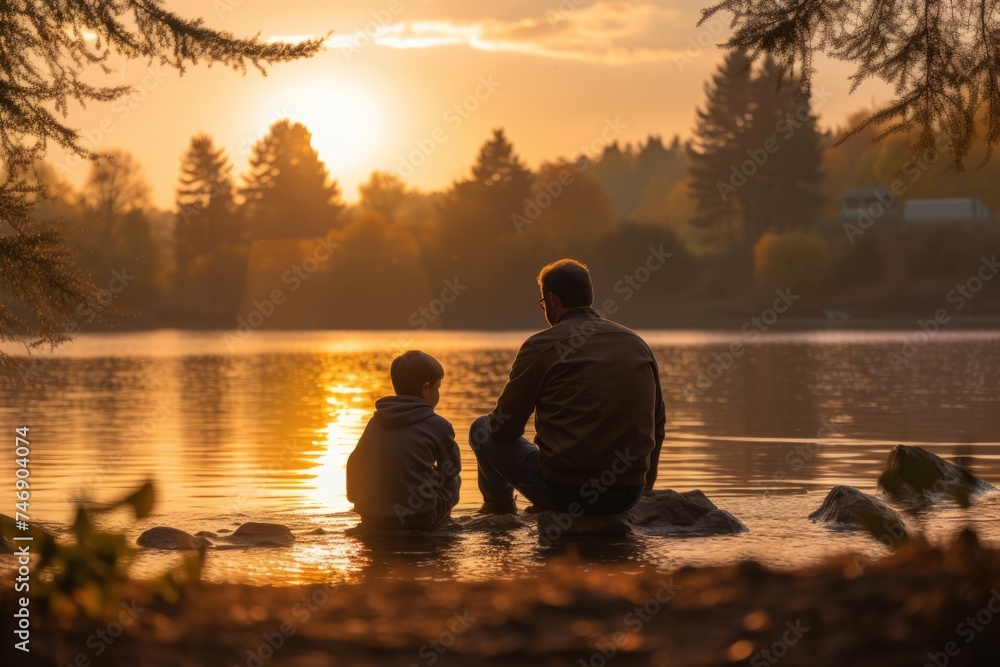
756,162
499,172
48,49
783,193
939,57
208,232
288,191
717,146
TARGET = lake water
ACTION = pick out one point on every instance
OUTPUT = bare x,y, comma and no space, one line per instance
260,429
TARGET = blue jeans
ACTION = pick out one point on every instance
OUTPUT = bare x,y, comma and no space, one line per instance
505,465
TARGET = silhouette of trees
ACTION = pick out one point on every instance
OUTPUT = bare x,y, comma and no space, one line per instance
288,191
210,243
115,186
716,149
384,193
47,48
116,233
756,157
939,57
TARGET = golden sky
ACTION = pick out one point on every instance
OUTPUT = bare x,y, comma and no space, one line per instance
414,87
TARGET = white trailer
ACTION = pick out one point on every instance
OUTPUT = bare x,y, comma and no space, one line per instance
946,210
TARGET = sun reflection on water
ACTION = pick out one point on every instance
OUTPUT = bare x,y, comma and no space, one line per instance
326,484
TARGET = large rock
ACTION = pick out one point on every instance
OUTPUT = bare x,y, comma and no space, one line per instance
262,534
663,512
171,539
847,507
689,512
554,525
916,475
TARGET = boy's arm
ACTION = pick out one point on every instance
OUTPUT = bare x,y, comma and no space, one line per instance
659,431
519,395
449,456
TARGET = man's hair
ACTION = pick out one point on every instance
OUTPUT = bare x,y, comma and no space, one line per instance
410,370
569,280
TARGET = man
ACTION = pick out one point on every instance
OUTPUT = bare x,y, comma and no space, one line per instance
594,388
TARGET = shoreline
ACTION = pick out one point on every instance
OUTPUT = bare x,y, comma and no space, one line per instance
899,610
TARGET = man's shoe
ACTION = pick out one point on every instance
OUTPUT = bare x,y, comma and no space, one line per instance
489,508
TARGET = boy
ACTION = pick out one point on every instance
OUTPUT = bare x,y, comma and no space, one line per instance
403,474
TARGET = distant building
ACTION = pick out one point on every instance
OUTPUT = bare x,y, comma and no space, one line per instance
872,202
968,209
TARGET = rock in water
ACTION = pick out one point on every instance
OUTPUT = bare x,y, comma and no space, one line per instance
689,512
263,534
663,512
554,525
163,537
846,507
914,474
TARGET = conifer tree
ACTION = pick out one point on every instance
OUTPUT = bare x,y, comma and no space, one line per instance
288,191
208,234
716,149
940,58
47,50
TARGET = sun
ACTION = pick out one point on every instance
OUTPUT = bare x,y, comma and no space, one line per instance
345,119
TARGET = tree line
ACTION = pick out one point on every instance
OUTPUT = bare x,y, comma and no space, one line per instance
749,195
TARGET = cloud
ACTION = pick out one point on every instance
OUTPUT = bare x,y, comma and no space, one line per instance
606,32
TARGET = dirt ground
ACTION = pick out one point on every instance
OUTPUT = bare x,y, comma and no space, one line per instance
921,606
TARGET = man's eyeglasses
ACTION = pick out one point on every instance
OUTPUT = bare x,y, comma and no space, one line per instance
541,302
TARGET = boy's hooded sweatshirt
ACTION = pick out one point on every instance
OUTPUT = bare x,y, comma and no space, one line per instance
404,471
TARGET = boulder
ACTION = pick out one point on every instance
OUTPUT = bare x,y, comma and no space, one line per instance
689,512
163,537
663,512
913,474
553,525
847,507
262,534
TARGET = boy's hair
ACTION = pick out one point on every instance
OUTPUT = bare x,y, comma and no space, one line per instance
410,370
569,280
